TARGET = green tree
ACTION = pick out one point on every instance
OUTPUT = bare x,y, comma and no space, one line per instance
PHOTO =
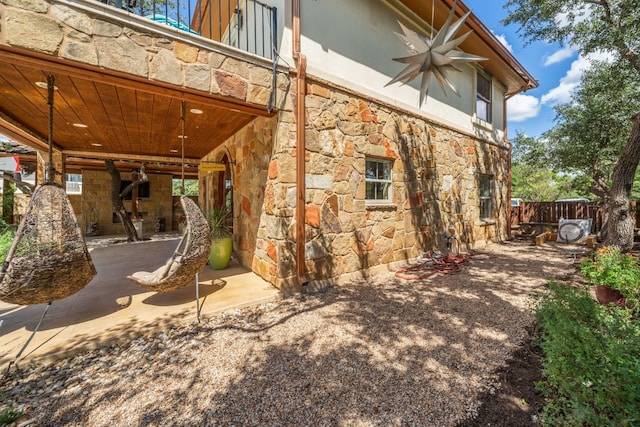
611,26
191,187
591,130
529,150
534,177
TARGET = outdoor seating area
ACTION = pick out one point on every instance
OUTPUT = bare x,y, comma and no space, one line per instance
112,308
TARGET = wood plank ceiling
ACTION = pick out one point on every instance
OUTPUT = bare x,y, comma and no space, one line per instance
102,114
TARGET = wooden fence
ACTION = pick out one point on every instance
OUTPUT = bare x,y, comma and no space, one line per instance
549,213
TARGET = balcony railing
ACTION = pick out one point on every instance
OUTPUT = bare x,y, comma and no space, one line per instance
249,25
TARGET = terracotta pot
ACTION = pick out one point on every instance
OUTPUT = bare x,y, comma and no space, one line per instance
606,295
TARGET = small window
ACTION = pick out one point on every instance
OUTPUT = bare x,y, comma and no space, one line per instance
378,180
483,98
74,183
484,187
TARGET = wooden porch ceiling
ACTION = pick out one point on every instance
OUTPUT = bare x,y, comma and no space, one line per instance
126,117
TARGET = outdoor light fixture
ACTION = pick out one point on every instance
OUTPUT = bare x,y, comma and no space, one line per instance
239,19
182,136
95,144
80,125
196,111
173,150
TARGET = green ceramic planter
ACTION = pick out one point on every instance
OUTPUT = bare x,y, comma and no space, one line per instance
220,254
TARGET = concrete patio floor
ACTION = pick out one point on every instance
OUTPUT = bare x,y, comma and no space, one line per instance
112,308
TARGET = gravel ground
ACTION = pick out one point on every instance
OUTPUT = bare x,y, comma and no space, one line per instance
376,352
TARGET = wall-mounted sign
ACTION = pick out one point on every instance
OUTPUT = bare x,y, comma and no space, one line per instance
213,167
11,164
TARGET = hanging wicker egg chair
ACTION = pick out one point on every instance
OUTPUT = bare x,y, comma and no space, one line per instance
189,258
48,259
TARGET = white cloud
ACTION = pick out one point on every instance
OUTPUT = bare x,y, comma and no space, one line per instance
503,40
522,107
561,94
559,56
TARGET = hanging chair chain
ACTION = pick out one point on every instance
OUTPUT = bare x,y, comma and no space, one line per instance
182,120
50,93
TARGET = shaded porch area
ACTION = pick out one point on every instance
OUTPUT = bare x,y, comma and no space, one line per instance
111,308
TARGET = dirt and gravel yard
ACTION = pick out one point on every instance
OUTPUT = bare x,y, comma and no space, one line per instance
379,351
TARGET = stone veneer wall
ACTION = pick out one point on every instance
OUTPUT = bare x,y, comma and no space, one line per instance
127,46
435,188
435,185
250,151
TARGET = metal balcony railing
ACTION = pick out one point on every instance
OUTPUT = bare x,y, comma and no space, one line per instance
249,25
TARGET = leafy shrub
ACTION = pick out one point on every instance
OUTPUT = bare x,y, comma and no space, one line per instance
9,415
619,271
592,360
6,238
221,222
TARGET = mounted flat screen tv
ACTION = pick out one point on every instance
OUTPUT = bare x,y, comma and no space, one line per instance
143,189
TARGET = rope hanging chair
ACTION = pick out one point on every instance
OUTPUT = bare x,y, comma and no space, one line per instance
192,252
48,259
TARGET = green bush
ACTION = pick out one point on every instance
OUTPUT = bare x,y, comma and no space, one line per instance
6,238
9,415
619,271
592,361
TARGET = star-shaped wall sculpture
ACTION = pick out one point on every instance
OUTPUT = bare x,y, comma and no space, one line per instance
435,56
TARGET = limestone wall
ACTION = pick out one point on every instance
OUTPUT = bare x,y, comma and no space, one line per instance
435,188
435,185
250,151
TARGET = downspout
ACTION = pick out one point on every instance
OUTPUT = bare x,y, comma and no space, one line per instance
301,87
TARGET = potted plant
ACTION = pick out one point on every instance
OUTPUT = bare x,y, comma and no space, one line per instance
616,277
220,221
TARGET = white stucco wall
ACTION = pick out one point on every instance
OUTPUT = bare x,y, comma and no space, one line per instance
352,43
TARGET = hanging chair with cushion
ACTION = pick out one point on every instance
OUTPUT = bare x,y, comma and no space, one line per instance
48,259
189,258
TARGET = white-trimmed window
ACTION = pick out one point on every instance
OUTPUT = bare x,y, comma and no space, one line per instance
378,180
484,188
74,183
483,97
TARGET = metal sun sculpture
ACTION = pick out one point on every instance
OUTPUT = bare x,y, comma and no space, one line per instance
434,56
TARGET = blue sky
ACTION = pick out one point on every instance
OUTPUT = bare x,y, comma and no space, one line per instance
557,69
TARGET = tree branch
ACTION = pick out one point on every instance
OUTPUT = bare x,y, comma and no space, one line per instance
136,182
25,187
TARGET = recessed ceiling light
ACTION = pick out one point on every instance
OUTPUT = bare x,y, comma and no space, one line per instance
196,111
95,144
80,125
183,136
173,151
44,85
